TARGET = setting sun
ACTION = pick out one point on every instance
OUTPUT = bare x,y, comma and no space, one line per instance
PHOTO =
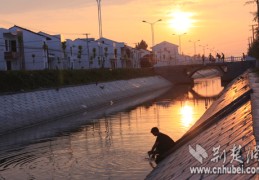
181,22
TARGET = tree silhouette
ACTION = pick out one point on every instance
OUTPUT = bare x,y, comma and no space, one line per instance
253,50
64,47
256,14
142,45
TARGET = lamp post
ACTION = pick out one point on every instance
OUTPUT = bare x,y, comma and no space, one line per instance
100,18
179,35
203,47
211,49
194,45
152,29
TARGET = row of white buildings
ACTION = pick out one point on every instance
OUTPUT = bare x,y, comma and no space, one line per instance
23,49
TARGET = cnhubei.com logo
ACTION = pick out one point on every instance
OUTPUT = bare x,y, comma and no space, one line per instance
224,170
228,157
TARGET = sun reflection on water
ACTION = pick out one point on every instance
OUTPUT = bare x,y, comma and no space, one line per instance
186,112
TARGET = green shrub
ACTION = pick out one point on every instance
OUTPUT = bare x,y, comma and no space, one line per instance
17,81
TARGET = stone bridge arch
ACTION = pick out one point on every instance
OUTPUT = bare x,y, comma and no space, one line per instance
220,69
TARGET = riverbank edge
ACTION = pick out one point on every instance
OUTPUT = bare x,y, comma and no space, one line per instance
252,95
21,110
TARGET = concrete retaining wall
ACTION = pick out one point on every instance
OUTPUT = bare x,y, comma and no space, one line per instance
27,109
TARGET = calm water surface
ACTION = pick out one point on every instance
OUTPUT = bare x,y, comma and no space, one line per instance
112,147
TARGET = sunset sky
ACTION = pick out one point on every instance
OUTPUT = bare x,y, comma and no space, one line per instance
223,25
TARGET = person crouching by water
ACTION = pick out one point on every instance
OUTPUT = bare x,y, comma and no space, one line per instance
161,146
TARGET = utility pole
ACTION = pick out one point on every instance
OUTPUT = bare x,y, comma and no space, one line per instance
87,46
194,46
180,45
253,31
250,42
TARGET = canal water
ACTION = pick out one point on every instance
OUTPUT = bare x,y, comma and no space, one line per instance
110,147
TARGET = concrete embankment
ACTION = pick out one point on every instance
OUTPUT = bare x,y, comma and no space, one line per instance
221,141
27,109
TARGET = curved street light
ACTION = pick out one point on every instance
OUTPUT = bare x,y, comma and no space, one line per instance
179,35
194,45
152,29
204,48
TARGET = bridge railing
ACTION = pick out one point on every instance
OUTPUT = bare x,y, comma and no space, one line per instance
189,61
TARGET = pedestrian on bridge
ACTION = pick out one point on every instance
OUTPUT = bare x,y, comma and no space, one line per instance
244,57
223,57
203,59
218,57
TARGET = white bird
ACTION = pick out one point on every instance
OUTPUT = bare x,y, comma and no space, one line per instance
83,106
111,102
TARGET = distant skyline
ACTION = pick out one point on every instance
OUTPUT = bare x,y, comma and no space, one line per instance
223,25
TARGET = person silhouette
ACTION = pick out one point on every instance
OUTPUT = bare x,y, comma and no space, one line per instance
161,146
244,57
203,59
223,57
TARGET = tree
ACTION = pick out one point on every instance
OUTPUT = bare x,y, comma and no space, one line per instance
254,49
147,61
64,47
142,45
257,13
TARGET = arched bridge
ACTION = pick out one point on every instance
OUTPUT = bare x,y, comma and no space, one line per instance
206,70
183,74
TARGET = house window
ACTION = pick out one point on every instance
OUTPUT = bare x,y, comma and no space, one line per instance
6,45
13,46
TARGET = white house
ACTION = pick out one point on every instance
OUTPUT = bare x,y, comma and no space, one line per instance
23,49
55,52
4,64
165,53
113,51
128,58
90,53
13,50
78,53
30,48
99,54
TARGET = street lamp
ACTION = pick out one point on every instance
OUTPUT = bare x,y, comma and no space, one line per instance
211,49
152,29
194,45
203,48
179,35
100,18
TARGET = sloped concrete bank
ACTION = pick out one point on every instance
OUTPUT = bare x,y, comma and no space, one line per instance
228,124
27,109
